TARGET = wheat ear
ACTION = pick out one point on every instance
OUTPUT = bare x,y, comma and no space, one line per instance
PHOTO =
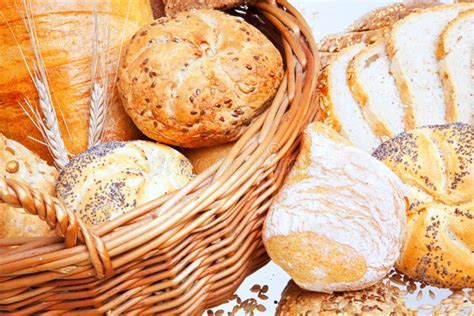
99,80
47,120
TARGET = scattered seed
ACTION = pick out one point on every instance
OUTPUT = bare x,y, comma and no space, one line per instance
263,297
12,166
419,296
261,308
432,294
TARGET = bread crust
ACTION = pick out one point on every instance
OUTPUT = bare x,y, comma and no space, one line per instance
198,79
172,7
19,163
379,299
376,123
450,90
398,69
65,33
324,100
337,42
437,164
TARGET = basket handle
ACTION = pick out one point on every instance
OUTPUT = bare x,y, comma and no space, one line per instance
59,218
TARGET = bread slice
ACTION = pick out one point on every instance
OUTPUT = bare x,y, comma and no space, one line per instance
412,48
455,52
374,88
387,16
340,108
336,42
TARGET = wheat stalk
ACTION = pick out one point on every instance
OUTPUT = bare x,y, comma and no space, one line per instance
99,81
47,120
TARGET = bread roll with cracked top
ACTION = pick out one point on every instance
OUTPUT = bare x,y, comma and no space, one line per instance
198,79
111,178
437,164
19,163
339,220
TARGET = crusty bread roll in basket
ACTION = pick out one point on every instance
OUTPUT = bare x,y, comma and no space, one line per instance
188,250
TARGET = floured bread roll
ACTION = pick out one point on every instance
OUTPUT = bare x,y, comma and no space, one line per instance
379,299
18,163
437,164
111,178
198,79
339,220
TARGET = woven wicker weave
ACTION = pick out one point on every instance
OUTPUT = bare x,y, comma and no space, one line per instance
183,252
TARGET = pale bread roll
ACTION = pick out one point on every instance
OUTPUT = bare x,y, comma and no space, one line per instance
379,299
111,178
198,79
18,163
437,164
338,222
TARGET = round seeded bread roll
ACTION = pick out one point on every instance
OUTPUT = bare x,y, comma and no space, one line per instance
111,178
379,299
198,79
437,164
338,222
18,163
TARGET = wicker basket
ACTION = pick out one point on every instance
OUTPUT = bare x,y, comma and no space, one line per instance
184,252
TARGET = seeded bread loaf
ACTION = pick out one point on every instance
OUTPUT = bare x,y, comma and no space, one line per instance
18,163
437,164
112,178
336,42
379,299
198,79
412,50
340,109
374,88
338,222
455,51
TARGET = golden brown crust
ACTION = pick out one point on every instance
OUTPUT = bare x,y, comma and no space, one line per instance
379,299
388,15
337,42
437,163
66,52
18,163
198,79
324,100
205,157
174,6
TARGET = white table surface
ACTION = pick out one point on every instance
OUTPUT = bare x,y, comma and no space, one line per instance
324,17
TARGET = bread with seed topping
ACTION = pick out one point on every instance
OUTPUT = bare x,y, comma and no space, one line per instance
112,178
437,164
198,79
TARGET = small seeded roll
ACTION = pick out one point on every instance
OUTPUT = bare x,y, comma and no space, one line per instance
379,299
198,79
111,178
437,164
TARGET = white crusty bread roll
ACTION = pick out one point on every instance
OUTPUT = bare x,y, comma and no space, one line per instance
198,79
456,64
18,163
111,178
437,164
339,220
379,299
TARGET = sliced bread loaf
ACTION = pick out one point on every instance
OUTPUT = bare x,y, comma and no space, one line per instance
374,88
340,108
412,48
456,55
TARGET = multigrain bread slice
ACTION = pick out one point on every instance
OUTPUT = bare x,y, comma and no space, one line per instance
340,109
374,88
387,16
412,48
456,62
